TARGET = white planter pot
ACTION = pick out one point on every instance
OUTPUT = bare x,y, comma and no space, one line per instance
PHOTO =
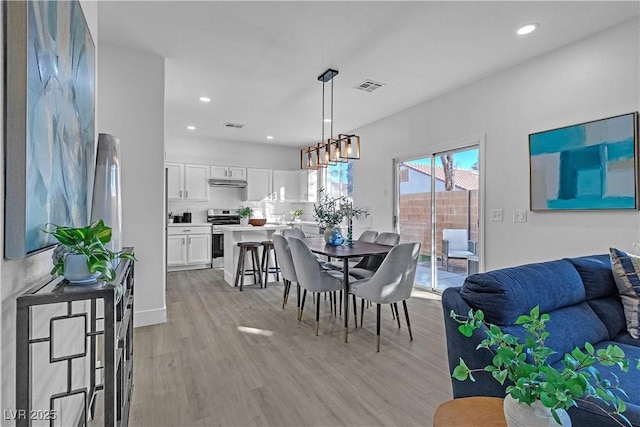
537,415
244,221
328,232
76,269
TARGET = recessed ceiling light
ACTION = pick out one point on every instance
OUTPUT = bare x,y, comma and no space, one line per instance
269,136
526,29
205,99
191,127
327,120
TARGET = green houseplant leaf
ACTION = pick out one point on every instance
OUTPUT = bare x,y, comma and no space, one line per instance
532,379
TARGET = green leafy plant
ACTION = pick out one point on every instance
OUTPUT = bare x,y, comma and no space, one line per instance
532,378
89,241
245,211
330,210
296,213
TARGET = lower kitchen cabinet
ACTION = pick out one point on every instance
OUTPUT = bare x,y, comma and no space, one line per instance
188,247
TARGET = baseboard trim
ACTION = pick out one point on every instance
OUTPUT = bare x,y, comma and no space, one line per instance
149,317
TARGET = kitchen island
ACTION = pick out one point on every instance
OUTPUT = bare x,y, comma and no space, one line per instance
240,233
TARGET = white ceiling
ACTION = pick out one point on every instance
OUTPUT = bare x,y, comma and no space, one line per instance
259,61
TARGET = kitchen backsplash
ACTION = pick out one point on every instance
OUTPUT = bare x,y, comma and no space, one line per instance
273,211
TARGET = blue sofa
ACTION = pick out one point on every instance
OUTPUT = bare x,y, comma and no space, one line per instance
582,299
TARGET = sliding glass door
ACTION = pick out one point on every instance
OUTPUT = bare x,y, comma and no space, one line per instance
437,204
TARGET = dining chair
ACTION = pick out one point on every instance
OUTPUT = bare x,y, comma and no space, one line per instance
391,283
370,263
293,232
311,276
368,236
287,269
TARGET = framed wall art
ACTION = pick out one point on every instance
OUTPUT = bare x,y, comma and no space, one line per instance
588,166
50,140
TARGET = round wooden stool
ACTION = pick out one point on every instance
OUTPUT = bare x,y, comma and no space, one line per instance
267,248
477,411
245,247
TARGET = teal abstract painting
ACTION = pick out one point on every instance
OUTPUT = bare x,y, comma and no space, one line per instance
589,166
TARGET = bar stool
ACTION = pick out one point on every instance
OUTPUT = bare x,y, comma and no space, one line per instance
245,247
267,247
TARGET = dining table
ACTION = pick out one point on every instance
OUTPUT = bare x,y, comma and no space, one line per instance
345,252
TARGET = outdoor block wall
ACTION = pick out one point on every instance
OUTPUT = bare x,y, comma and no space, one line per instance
454,209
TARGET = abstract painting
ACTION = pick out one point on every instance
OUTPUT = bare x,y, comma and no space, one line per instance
589,166
50,125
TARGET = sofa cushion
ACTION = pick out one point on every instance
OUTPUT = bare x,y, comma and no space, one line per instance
505,294
595,272
626,272
567,330
610,311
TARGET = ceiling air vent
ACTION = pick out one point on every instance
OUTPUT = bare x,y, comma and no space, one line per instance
369,85
233,125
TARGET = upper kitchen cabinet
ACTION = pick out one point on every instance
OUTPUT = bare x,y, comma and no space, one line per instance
187,182
285,186
228,172
259,185
308,185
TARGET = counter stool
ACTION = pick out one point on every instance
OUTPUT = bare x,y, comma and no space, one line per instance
245,247
267,248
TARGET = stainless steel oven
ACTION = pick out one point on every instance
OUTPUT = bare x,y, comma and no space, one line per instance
219,217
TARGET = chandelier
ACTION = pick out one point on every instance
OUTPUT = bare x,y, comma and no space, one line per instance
332,150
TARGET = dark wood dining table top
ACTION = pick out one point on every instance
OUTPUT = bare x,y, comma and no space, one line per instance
358,249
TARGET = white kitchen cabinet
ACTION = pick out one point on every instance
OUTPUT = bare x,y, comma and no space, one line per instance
228,172
187,182
176,251
259,185
307,185
188,247
196,185
175,181
285,186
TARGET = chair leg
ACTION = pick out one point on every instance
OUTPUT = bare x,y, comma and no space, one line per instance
256,266
284,294
317,314
378,327
395,307
265,262
393,312
298,297
304,295
275,262
240,272
406,315
361,312
330,300
341,303
355,311
335,304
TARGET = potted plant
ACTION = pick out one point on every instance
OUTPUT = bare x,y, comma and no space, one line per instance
245,212
329,211
296,214
535,386
81,256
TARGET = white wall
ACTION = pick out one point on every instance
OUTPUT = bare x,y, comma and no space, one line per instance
230,153
131,107
17,276
594,78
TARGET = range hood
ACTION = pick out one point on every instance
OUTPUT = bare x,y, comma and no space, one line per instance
228,183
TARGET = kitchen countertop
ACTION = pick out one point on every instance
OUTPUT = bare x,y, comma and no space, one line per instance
189,224
251,227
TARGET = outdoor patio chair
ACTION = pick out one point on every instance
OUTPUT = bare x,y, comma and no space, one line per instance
456,245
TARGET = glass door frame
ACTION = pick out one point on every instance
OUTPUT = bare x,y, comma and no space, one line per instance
467,144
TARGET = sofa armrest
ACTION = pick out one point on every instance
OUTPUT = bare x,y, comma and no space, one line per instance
459,346
473,246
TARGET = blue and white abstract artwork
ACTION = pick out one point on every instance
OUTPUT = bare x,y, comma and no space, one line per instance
60,118
589,166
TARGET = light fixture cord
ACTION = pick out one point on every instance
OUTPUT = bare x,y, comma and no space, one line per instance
331,109
322,121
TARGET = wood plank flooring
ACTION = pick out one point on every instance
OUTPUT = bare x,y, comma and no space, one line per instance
227,358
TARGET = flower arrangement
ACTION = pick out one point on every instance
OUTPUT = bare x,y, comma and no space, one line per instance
296,214
329,211
525,366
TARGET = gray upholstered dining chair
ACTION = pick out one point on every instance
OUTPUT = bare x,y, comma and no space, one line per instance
391,283
283,252
368,236
293,232
311,276
369,264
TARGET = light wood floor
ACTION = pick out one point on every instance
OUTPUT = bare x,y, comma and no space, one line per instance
202,368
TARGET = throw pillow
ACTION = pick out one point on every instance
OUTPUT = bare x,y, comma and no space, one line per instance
626,273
